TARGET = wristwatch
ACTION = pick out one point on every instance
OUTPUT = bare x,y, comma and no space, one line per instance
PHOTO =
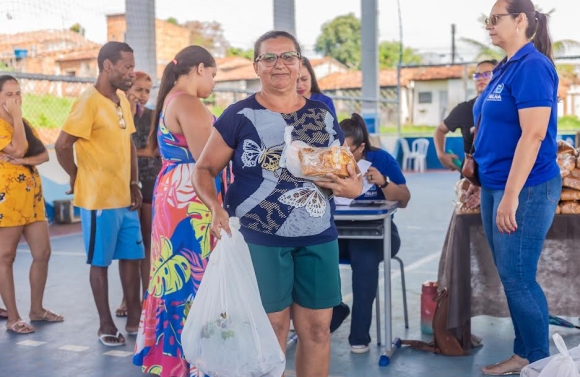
136,183
386,182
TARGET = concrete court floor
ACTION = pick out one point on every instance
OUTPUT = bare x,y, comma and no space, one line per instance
72,349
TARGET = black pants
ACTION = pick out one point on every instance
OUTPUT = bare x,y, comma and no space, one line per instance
365,256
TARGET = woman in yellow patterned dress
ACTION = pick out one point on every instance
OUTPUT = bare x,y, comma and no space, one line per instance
21,207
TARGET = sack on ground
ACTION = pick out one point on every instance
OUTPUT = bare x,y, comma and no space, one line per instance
565,364
230,334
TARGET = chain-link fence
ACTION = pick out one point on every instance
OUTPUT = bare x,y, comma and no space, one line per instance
47,100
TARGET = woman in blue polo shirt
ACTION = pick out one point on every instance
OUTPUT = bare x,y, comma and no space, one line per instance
515,148
365,255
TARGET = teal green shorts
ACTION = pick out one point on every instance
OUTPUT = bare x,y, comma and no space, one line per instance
306,275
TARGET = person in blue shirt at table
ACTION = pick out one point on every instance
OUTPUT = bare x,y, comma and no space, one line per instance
515,148
308,86
365,255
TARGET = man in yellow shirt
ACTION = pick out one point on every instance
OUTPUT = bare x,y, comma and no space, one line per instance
105,184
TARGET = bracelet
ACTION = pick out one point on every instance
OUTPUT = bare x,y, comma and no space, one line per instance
136,183
386,182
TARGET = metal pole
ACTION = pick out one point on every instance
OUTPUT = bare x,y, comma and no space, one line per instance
453,49
140,35
285,16
399,69
370,64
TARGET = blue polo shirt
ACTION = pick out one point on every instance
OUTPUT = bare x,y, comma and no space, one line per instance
528,79
386,165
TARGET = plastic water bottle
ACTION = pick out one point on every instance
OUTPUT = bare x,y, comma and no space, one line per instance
428,305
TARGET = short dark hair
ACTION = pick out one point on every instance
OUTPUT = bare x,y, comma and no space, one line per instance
273,34
112,51
314,88
4,79
489,61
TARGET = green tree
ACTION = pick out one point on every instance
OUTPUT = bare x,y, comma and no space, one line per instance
236,51
340,38
173,20
78,28
389,55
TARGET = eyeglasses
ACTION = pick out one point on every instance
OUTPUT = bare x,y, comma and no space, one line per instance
122,123
269,59
482,75
494,18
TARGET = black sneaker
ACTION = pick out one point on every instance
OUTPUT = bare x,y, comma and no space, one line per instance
339,314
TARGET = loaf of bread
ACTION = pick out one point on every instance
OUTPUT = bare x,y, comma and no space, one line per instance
564,147
558,209
575,173
570,194
570,182
570,208
321,161
567,163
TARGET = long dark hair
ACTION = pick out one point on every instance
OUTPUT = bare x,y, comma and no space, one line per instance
356,128
314,87
185,60
273,35
537,30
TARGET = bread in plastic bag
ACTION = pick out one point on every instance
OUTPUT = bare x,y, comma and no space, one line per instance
230,334
461,207
307,162
565,364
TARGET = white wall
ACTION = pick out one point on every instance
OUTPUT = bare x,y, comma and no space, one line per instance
429,113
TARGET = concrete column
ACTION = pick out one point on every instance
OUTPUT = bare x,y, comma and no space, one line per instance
370,64
140,35
285,16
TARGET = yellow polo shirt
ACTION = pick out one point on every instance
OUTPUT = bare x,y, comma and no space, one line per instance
103,150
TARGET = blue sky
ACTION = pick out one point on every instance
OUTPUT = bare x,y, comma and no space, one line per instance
426,23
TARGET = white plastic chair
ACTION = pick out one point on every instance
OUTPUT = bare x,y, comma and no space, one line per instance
419,154
406,153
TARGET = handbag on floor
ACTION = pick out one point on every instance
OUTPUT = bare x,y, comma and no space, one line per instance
444,342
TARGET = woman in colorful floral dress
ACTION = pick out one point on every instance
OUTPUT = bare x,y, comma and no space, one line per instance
22,211
181,239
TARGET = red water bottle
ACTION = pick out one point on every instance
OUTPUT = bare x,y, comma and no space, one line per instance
428,305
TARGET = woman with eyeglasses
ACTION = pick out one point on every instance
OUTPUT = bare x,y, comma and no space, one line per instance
515,149
286,221
22,211
180,243
308,85
461,117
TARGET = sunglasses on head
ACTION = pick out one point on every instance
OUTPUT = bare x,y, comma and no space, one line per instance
482,75
494,18
270,59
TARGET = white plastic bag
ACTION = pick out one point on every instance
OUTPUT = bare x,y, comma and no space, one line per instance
561,365
228,333
291,156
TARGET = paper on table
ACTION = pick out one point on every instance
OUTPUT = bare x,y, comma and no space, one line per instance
364,166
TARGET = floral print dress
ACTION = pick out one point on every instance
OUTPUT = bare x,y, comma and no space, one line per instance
180,245
21,198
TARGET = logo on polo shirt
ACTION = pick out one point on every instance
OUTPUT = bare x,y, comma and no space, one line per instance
496,94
